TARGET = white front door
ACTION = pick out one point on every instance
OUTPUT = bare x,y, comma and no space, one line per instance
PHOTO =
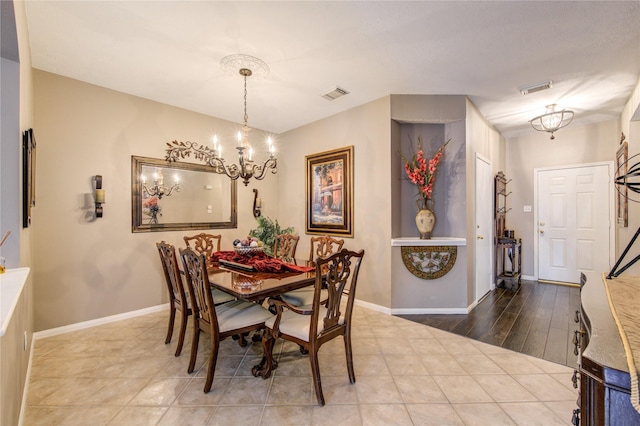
573,221
484,227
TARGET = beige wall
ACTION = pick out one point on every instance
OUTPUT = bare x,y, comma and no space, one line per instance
482,139
88,269
572,145
376,131
367,128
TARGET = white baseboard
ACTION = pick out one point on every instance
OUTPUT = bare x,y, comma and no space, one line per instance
472,306
529,278
413,311
373,307
98,321
429,311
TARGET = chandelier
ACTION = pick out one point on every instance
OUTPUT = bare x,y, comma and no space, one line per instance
158,189
551,121
247,167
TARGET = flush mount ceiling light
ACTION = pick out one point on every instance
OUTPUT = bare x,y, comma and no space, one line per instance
246,168
551,121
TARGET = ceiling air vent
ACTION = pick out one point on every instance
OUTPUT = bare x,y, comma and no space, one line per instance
335,93
536,87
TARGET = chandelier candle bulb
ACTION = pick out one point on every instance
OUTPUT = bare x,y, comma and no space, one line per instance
100,196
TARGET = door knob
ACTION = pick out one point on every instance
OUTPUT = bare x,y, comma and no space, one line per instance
541,231
541,223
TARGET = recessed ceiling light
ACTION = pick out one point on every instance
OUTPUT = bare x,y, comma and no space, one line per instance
536,87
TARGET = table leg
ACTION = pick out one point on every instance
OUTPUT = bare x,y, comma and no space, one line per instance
267,363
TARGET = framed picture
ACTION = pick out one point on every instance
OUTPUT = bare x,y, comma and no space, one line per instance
28,176
330,192
622,202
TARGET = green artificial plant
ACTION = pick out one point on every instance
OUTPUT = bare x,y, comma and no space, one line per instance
266,232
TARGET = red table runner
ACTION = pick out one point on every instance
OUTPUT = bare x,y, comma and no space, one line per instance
260,262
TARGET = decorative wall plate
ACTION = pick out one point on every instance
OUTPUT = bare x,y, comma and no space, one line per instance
429,262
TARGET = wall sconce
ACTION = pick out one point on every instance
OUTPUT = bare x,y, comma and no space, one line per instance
257,204
99,195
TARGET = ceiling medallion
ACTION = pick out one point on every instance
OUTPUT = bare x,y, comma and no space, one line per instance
232,63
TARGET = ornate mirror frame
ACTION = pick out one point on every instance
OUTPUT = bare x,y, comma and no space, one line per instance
140,216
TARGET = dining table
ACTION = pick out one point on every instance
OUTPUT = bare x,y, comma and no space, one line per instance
254,285
244,281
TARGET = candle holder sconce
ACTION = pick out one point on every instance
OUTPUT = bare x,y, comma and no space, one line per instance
257,204
99,195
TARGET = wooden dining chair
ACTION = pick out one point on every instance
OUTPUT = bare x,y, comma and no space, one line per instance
321,246
204,243
219,321
208,244
177,297
312,326
284,247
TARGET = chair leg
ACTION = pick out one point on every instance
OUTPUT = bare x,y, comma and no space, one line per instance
172,319
315,372
349,353
194,350
183,330
211,368
242,340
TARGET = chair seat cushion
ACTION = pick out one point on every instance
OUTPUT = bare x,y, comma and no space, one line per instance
239,314
220,296
302,296
297,325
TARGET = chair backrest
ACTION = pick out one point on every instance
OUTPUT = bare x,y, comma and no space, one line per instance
337,273
202,304
323,246
284,246
172,273
205,244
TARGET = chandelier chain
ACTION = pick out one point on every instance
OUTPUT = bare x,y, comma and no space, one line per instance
246,116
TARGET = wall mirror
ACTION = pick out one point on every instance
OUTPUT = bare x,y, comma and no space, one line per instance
170,196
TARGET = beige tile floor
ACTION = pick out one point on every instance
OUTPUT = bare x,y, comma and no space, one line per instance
122,373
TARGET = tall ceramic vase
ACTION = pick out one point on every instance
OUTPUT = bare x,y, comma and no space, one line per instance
425,219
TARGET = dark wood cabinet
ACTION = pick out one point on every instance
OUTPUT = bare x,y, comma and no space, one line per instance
603,374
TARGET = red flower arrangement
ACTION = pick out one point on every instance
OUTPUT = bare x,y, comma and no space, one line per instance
421,172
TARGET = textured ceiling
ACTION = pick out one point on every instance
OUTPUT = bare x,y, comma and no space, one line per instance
170,52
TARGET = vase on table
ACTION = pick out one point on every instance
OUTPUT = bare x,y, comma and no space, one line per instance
425,218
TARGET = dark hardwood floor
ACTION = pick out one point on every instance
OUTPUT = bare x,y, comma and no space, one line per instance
536,319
